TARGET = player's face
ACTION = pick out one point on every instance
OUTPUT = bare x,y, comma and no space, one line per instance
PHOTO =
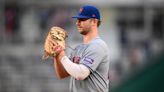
83,25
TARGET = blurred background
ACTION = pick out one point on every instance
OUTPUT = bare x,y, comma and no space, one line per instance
133,30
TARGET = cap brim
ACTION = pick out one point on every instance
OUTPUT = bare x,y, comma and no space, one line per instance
77,17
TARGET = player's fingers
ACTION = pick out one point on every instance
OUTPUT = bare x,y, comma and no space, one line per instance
53,43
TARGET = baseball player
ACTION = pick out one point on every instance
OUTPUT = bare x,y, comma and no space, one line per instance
88,64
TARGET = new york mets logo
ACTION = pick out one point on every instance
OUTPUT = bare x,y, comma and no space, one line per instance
76,60
81,9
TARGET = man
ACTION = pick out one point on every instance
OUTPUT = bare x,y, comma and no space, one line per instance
88,64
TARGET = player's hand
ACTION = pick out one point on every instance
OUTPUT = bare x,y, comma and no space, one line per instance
55,46
54,42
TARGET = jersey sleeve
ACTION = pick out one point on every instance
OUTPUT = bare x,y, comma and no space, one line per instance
93,56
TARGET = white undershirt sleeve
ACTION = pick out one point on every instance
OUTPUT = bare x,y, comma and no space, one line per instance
78,71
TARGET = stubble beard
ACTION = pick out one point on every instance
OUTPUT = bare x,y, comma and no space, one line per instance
84,32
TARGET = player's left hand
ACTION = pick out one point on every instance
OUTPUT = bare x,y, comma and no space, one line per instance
54,42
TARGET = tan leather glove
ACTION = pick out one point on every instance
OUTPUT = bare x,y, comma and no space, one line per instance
57,35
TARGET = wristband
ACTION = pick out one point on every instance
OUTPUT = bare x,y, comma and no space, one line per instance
64,58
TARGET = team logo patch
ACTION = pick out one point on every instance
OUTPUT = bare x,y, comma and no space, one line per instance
76,60
81,9
88,60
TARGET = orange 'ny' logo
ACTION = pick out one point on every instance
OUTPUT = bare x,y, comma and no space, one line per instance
81,9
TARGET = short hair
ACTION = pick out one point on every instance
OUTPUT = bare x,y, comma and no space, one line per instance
98,23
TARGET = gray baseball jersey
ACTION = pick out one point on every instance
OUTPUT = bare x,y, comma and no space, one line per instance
94,56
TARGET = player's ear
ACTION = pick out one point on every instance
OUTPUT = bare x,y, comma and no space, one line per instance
95,21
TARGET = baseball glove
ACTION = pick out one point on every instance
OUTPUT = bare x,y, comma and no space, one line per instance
58,36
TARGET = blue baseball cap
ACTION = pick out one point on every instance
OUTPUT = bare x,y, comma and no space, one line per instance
88,12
